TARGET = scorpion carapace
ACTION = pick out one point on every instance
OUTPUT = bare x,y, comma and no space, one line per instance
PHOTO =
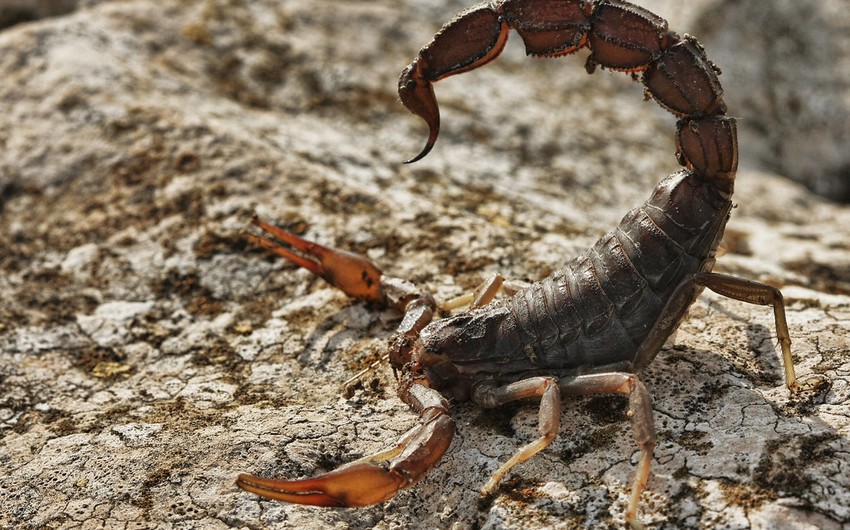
591,326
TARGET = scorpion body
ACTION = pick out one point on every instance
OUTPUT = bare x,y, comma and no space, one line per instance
594,314
591,326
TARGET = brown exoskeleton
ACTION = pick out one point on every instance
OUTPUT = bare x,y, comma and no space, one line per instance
588,328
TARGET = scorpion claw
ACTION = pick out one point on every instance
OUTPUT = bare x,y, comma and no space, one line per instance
353,274
417,94
354,485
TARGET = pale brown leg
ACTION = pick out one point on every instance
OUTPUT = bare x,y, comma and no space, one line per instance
485,292
546,389
479,297
640,413
731,287
761,294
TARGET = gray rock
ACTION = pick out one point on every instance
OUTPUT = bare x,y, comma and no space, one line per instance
148,353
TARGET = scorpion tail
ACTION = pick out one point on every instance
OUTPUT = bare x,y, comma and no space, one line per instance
473,39
353,274
376,478
417,94
476,37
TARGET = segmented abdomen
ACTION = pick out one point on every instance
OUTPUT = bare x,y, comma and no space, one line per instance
600,307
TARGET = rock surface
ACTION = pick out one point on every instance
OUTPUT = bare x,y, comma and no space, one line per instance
148,353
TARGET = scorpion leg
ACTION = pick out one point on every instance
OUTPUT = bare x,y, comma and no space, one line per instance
730,287
640,414
546,389
481,296
377,478
761,294
485,292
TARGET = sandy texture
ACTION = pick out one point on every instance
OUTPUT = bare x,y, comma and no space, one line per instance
148,353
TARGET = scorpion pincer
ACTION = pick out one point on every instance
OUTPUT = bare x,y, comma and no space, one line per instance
591,326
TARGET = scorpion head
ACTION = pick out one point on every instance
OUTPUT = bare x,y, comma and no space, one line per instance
417,94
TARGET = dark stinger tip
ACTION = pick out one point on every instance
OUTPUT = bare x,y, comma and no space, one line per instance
417,94
432,138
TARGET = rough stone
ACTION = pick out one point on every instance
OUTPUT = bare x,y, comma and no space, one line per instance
148,353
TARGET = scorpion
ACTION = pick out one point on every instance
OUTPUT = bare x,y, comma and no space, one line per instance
591,326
